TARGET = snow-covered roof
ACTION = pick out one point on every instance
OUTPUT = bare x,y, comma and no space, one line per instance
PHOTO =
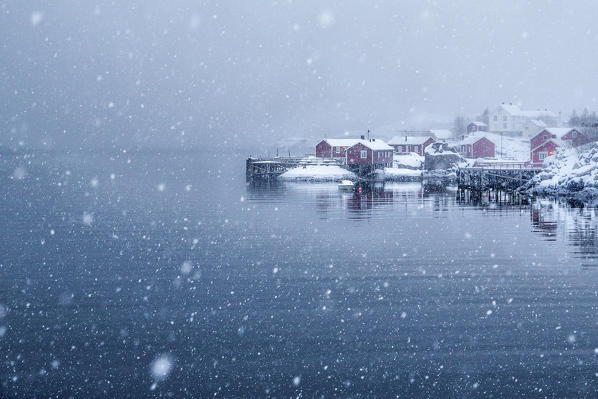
413,140
557,131
478,123
376,145
558,141
441,133
341,142
538,123
516,111
473,138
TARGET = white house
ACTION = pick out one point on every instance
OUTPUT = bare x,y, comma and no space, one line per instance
509,118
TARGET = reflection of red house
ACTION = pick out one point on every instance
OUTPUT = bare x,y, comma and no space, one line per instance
374,152
405,145
477,147
334,148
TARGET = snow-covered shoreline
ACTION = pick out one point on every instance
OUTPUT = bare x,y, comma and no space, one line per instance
317,173
334,173
570,174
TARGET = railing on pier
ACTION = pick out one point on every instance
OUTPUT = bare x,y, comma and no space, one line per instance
496,176
503,165
270,168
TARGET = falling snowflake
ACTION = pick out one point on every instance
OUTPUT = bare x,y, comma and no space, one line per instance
19,173
186,267
326,19
87,218
36,18
161,367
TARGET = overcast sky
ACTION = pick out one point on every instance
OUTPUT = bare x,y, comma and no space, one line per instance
124,73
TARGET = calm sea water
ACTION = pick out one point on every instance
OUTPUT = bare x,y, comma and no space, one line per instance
166,275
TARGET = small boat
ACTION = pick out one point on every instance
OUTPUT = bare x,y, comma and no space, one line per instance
346,185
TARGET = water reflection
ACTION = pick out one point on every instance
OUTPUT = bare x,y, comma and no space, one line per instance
544,221
360,204
549,220
577,224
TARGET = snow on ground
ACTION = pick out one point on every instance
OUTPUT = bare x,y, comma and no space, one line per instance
317,173
408,161
513,148
571,173
399,174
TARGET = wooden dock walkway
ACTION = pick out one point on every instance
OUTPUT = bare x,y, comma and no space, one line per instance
496,176
271,168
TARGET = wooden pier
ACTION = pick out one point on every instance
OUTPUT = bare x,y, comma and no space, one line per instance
271,168
496,176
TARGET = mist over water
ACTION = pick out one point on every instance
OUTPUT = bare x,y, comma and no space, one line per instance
223,75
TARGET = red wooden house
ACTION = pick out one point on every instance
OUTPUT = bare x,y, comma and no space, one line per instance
405,145
375,153
477,127
334,148
545,143
476,146
575,137
544,150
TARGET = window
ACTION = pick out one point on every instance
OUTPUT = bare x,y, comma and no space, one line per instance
574,134
415,148
364,154
542,155
495,118
504,125
504,118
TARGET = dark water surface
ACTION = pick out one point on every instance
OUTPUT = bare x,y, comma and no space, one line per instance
148,274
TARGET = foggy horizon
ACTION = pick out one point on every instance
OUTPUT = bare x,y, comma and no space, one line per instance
187,74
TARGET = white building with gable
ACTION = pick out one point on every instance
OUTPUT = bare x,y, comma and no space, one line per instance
509,118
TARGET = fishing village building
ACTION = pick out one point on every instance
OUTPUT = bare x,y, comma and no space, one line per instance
406,144
547,141
334,148
476,146
477,126
512,120
375,153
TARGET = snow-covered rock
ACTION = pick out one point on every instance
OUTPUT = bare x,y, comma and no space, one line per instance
408,161
317,173
571,173
442,156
